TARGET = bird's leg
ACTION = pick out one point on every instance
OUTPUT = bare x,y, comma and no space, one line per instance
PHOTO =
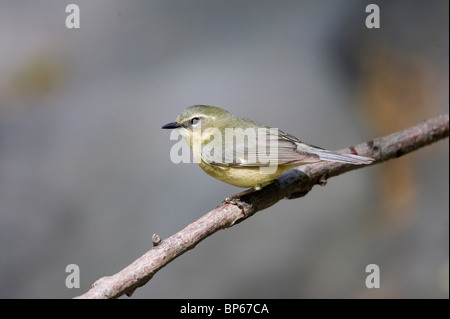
232,199
235,198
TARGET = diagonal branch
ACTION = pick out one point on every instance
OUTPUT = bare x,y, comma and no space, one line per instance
294,183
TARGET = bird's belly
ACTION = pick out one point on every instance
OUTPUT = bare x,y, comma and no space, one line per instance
249,177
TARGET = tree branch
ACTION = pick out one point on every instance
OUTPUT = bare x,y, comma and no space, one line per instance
294,183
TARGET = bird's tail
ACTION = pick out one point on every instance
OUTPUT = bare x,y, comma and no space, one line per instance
343,158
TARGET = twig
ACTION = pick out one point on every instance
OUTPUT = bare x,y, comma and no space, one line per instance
294,183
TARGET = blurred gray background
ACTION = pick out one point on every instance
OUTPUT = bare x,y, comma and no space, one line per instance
85,172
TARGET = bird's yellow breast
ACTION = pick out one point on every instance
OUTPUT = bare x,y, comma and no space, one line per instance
249,177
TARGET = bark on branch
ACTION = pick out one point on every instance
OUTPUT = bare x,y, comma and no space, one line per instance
294,183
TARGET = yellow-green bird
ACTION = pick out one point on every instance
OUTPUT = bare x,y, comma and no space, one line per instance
244,153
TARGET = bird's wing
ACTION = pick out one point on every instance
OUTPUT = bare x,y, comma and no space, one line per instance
264,147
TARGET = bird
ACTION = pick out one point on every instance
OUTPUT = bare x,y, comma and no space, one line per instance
244,153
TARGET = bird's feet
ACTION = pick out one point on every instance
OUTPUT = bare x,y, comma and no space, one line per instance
235,199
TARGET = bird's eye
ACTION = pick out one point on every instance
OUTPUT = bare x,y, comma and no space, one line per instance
194,120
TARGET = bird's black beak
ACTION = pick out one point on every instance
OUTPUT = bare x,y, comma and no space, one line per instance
171,125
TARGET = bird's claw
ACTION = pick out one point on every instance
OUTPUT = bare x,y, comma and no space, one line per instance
233,200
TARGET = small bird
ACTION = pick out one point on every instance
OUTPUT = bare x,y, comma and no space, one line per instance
244,153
